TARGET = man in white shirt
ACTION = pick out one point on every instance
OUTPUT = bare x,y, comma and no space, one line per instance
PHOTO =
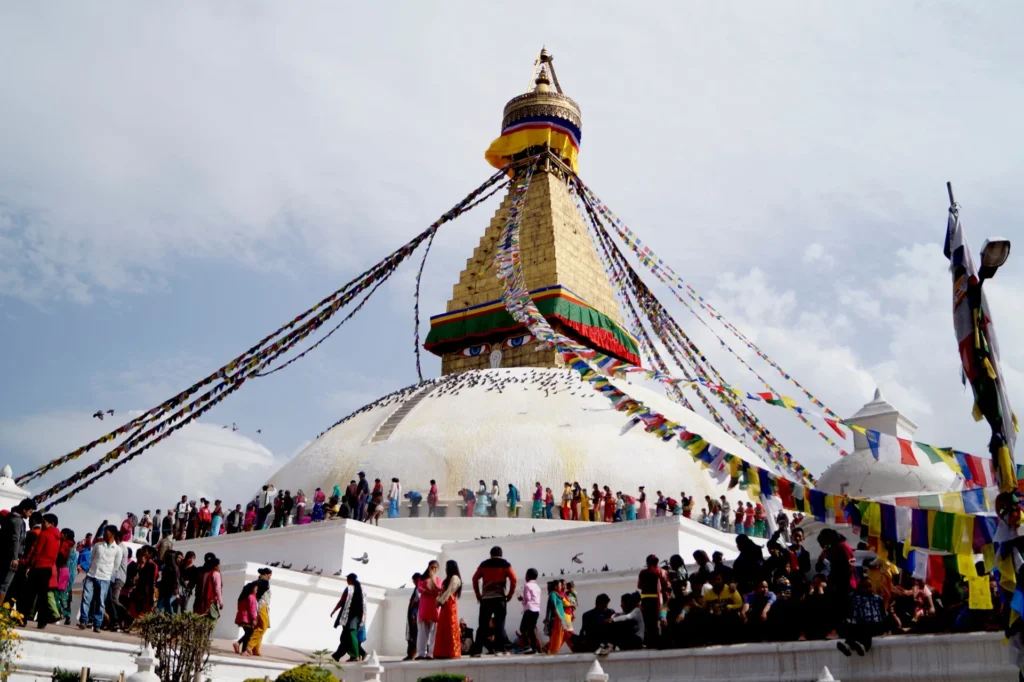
181,518
266,505
104,563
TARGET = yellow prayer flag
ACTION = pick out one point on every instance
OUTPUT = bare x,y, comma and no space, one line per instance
963,534
989,554
979,595
966,566
952,502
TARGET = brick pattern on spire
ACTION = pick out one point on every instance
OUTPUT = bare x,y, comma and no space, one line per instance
556,249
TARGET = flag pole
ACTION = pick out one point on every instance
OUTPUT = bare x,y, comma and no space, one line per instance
949,190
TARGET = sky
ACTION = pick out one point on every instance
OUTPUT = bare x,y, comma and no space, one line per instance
178,180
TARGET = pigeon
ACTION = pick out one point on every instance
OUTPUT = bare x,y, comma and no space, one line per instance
365,559
576,558
234,426
259,430
320,572
533,528
305,569
98,414
338,572
286,566
274,564
561,571
110,412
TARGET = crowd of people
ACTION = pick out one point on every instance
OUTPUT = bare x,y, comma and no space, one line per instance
362,501
39,563
782,592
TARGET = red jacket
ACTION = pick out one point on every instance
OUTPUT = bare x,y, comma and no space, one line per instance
489,579
44,549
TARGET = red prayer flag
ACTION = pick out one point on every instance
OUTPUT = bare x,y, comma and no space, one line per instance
975,464
835,427
907,452
936,572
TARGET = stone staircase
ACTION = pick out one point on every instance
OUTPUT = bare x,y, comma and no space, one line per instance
388,426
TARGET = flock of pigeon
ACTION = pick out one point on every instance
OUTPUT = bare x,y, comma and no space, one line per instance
551,383
313,570
101,414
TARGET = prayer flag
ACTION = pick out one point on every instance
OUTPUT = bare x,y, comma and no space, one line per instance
817,498
919,528
974,500
835,427
940,530
984,531
917,561
903,523
979,596
936,572
966,565
952,502
884,448
888,530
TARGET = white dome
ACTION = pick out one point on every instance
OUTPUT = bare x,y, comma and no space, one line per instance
861,475
517,425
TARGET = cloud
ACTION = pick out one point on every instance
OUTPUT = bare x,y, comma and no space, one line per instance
815,253
202,459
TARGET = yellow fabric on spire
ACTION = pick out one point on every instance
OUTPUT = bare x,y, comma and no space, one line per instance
501,151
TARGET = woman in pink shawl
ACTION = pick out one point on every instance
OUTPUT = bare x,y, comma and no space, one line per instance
642,510
128,527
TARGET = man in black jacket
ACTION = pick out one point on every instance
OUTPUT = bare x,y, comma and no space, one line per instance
12,543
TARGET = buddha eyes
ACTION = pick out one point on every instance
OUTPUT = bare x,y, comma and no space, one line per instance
474,351
517,341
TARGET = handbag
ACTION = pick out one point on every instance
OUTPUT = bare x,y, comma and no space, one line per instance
362,634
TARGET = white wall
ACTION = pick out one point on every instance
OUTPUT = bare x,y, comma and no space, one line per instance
331,546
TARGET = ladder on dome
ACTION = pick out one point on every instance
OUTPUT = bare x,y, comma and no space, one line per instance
388,426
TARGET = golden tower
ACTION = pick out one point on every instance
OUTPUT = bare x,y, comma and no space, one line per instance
560,264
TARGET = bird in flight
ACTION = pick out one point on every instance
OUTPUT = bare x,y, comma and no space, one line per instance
365,559
99,414
576,558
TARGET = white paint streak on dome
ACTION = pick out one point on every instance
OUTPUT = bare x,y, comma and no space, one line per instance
516,425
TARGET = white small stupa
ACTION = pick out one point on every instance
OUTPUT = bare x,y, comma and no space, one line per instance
861,475
10,493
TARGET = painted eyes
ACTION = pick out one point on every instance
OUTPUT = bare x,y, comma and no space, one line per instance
517,341
474,351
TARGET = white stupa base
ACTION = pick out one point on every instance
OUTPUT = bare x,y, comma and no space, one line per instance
937,658
302,601
41,652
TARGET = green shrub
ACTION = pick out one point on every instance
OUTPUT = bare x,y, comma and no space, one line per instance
306,673
443,677
181,642
62,675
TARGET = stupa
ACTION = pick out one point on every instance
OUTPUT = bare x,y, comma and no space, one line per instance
504,407
860,474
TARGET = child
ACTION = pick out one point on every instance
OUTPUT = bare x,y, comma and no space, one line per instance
531,612
866,619
704,518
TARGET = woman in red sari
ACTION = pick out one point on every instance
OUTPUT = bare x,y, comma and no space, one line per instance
447,641
609,505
